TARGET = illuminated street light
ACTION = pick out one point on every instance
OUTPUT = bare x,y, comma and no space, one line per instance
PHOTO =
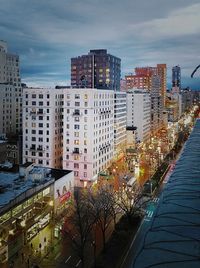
51,203
23,223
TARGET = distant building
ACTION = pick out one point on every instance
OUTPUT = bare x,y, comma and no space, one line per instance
176,76
43,126
139,113
11,150
98,69
119,123
156,104
142,79
10,93
29,200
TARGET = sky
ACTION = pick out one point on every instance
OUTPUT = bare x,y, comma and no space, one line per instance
46,34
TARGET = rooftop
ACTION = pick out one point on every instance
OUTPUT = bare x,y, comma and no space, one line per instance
12,185
173,239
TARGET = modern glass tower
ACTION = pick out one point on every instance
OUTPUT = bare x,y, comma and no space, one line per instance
176,76
98,69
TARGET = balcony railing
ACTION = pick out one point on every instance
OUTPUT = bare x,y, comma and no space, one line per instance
40,149
76,113
76,152
32,149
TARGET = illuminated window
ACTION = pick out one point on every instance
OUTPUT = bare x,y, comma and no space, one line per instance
46,191
76,157
76,142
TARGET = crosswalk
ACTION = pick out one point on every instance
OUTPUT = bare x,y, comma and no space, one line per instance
156,199
148,216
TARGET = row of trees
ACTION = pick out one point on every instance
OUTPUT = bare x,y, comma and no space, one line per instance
98,209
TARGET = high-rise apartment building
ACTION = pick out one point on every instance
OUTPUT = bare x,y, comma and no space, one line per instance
176,76
98,69
139,113
10,92
88,132
156,104
43,126
162,72
142,79
119,123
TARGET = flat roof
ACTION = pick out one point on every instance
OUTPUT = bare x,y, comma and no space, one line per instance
12,185
173,239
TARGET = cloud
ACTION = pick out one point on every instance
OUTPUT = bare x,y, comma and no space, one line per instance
47,34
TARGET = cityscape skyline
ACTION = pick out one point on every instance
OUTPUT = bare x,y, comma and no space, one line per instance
145,34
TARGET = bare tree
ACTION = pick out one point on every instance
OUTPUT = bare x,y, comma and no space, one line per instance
80,224
102,207
130,201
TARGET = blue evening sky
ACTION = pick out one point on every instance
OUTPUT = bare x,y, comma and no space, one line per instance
46,34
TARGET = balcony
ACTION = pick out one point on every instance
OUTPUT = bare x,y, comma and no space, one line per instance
75,151
40,113
32,148
32,112
40,149
76,113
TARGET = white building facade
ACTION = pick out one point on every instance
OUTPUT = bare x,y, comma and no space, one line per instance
119,124
139,113
43,126
88,132
156,105
10,92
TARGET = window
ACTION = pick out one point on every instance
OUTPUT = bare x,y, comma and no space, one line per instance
85,166
40,96
33,102
76,165
76,157
40,124
76,134
76,126
86,104
85,142
85,150
76,173
76,119
77,96
76,142
40,132
77,103
33,96
85,174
